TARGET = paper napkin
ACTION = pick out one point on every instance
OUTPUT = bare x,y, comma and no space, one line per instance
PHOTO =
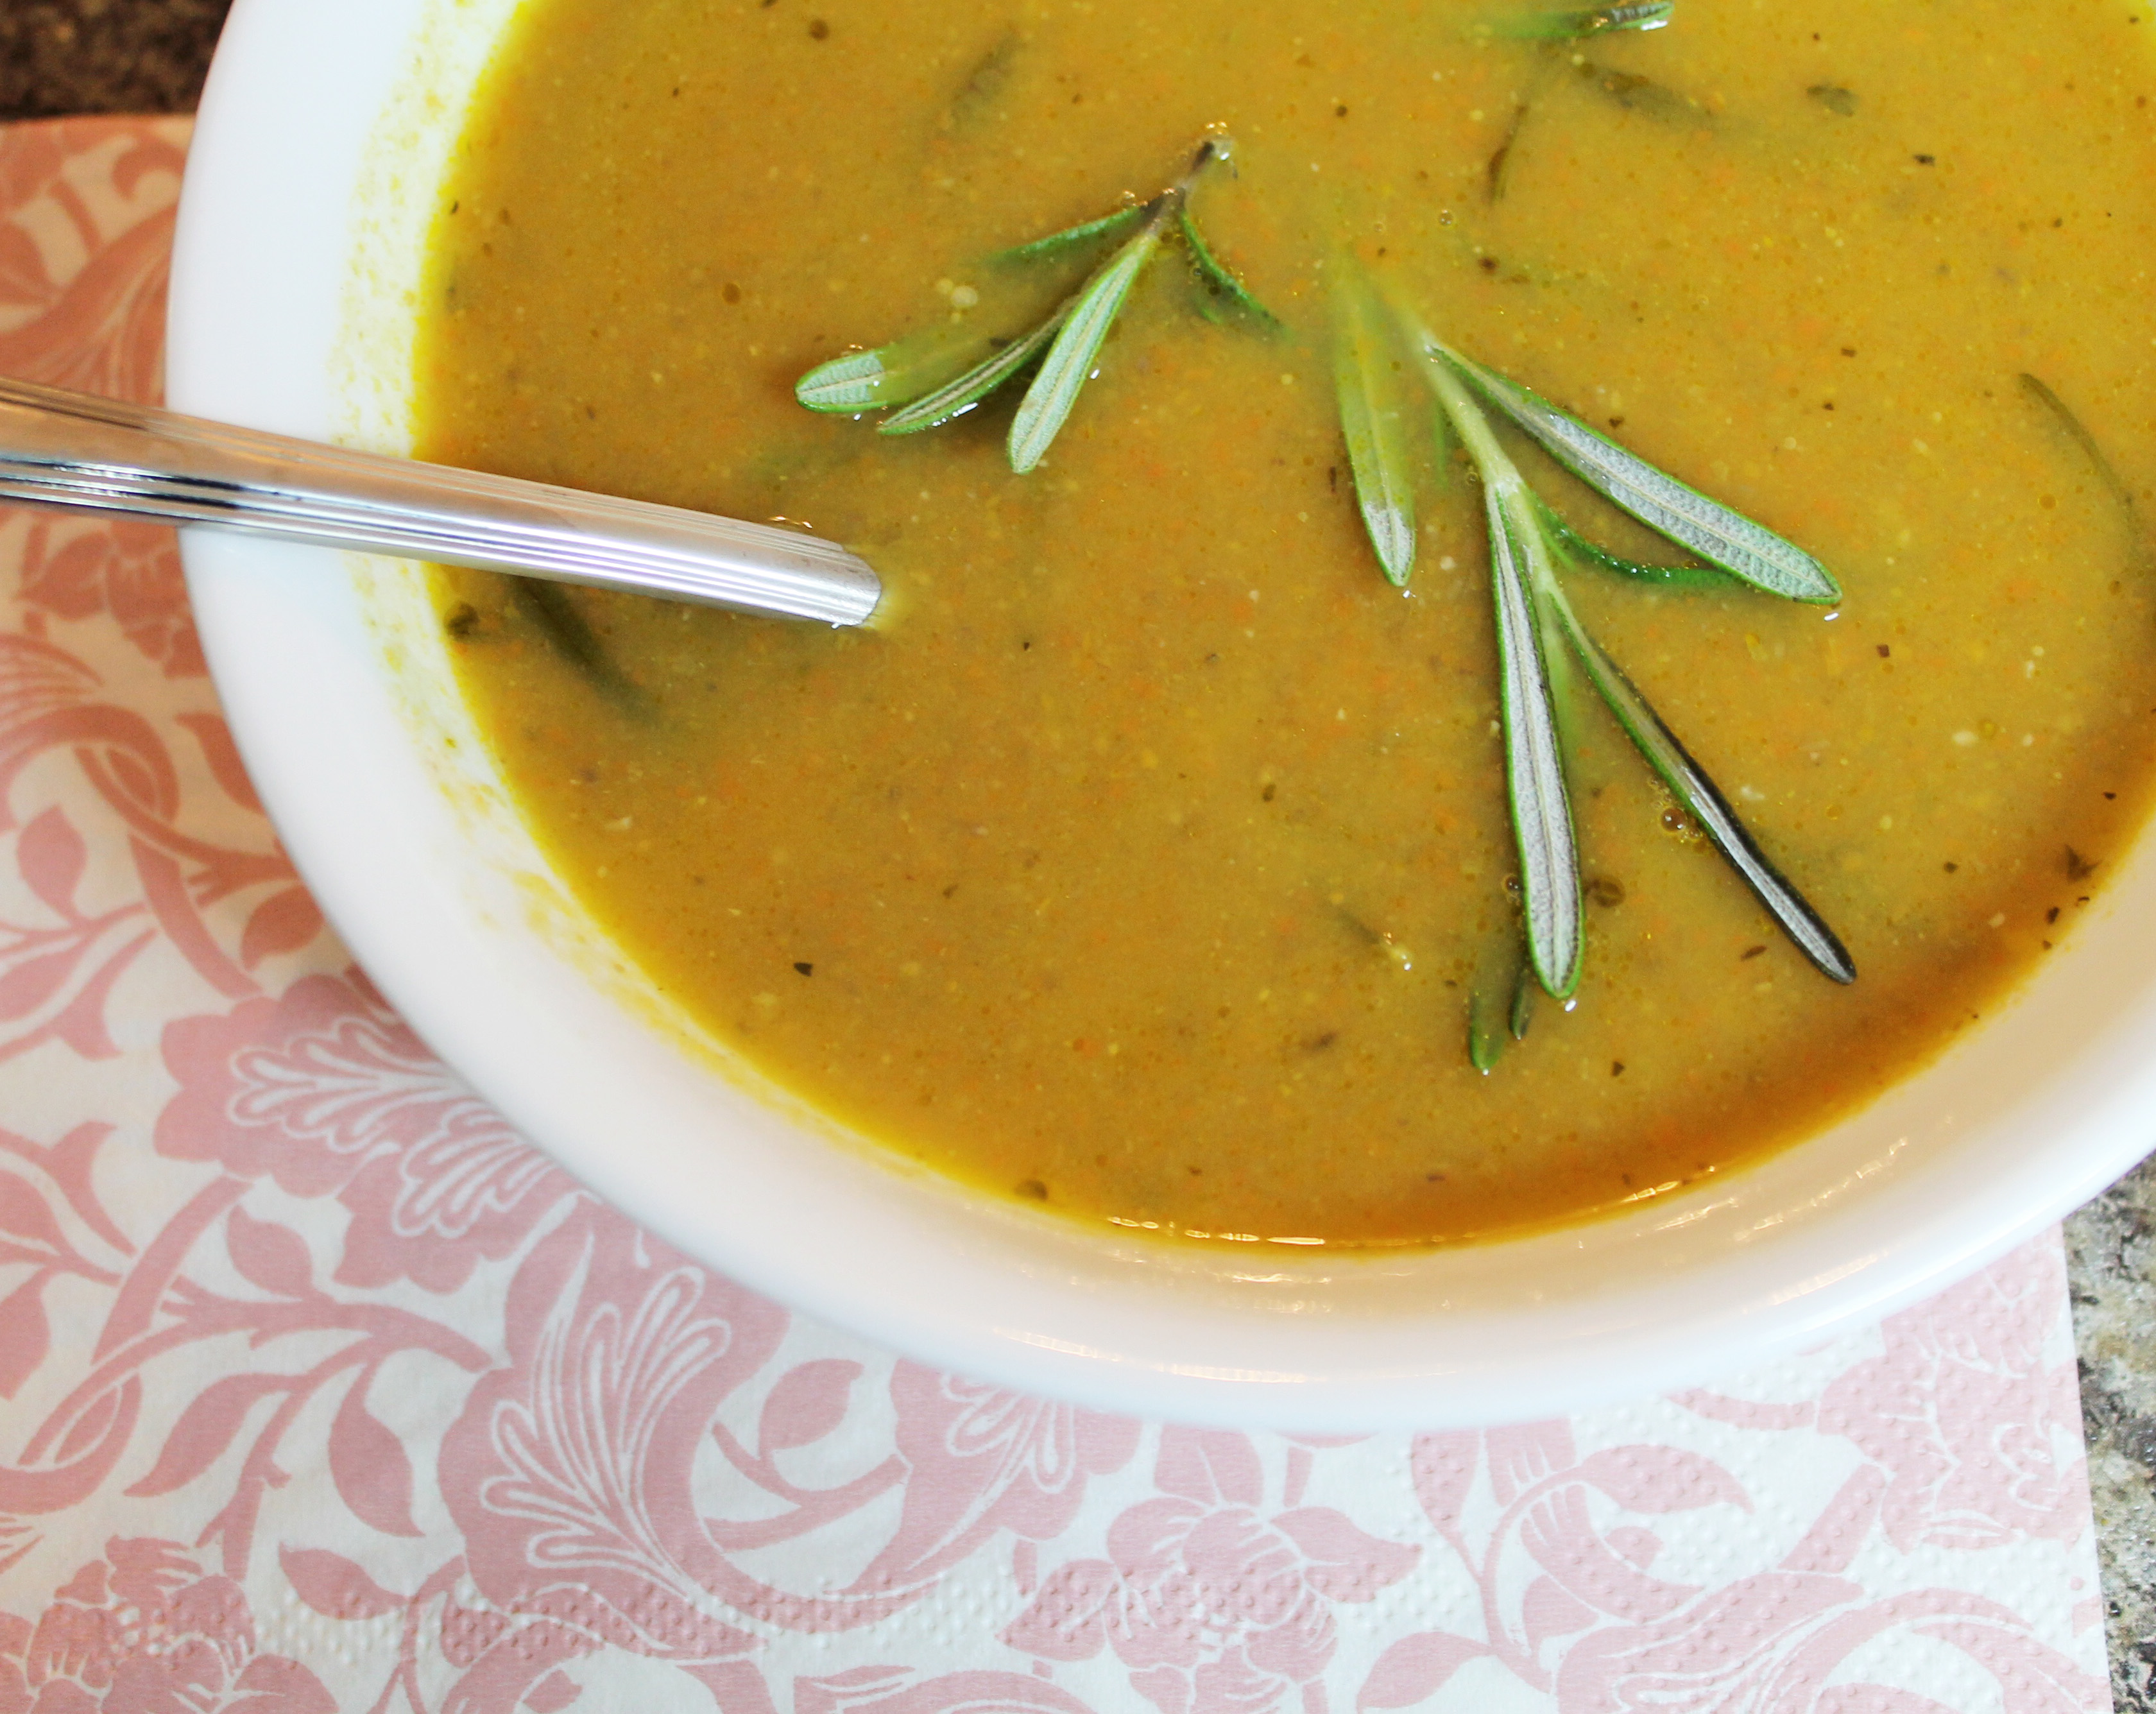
320,1391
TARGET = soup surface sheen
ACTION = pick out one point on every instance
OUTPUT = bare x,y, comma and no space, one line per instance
1141,864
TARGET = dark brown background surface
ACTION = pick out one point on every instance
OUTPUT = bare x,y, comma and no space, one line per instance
82,56
104,56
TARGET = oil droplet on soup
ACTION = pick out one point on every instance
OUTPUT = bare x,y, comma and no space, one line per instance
1140,868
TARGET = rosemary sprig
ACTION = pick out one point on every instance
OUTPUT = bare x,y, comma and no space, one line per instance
1373,425
1527,541
1707,527
932,377
1575,26
1088,318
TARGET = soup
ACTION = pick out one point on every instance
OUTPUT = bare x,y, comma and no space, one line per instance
1143,862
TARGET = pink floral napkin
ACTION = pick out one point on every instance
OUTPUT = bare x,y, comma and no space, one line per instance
320,1391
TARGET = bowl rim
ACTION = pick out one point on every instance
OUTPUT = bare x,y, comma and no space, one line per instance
2040,1109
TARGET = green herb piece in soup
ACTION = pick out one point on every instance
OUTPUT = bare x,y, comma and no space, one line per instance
553,612
976,384
1223,292
1374,424
1534,759
1071,238
1580,551
1703,801
895,374
1687,517
1069,364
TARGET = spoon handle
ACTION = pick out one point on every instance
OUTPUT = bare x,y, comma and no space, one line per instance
61,448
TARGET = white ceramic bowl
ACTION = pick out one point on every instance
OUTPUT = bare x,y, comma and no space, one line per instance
323,132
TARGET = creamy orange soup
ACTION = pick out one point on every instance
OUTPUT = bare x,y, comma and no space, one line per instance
1140,863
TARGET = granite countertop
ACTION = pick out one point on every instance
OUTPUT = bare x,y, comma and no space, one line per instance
2110,1252
78,56
104,56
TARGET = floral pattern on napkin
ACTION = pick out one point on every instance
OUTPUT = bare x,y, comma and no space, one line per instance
319,1390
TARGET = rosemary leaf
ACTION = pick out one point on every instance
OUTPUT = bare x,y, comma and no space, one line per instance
1223,292
1709,529
1443,443
1702,799
894,374
2077,431
1485,1030
985,83
2142,554
1493,175
1071,237
554,613
1576,547
1534,760
1522,1013
1069,364
1576,26
1643,95
1372,423
1501,997
976,384
1558,664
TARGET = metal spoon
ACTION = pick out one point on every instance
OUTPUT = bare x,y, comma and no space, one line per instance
71,449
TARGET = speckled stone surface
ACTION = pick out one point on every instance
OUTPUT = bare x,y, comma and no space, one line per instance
81,56
104,56
2110,1249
